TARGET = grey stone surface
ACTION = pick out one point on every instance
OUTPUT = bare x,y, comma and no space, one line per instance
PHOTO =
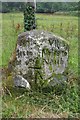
21,82
39,56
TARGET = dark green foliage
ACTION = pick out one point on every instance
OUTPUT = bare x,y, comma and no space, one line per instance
12,6
42,7
29,17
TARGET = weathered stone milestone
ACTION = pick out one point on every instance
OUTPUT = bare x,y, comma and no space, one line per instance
40,56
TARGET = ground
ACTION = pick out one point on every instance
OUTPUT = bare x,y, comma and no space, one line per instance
60,103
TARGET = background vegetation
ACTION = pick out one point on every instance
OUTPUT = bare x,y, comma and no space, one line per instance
44,7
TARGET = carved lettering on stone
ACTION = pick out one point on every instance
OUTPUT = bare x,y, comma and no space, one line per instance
40,55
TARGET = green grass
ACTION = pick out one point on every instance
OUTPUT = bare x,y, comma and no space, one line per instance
9,22
21,103
65,26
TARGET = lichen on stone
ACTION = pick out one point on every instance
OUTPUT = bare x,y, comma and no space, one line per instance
41,56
